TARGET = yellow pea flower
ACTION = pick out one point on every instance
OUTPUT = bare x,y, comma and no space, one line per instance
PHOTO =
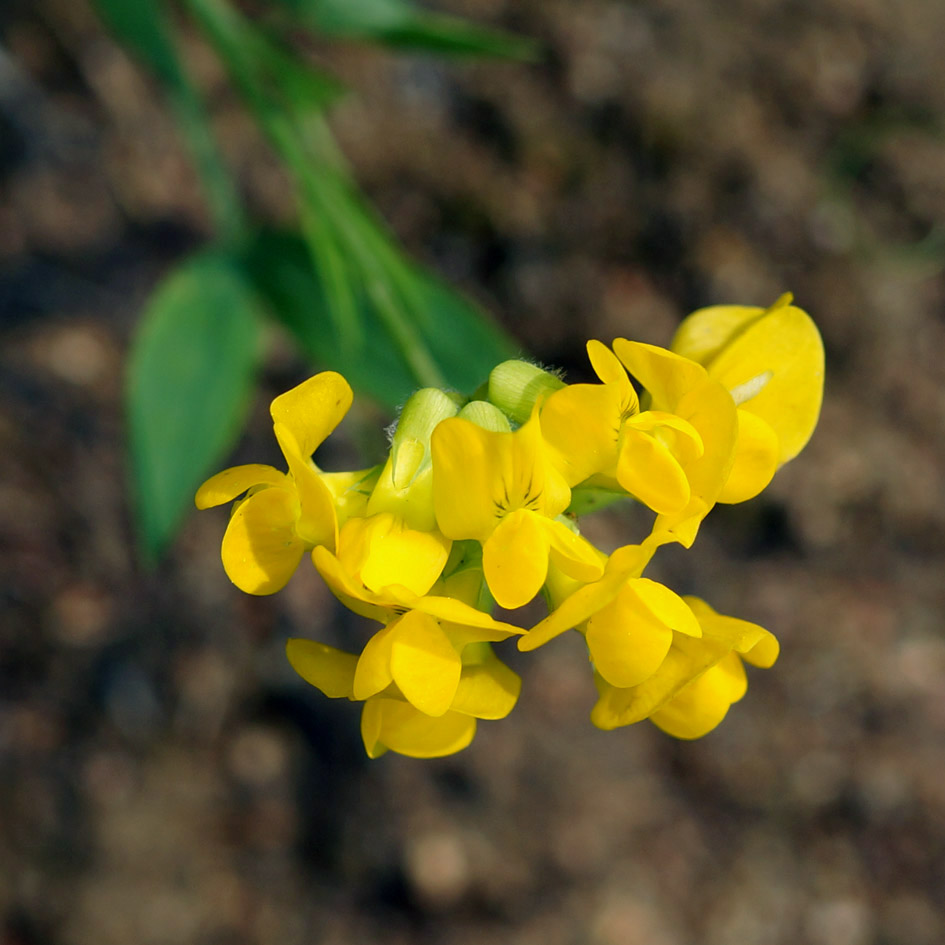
696,683
679,386
421,647
628,621
772,362
486,689
284,514
502,490
600,429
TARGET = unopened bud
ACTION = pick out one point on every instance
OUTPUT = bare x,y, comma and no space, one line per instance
515,386
487,416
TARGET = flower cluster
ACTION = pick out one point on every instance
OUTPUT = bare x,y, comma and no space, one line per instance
477,505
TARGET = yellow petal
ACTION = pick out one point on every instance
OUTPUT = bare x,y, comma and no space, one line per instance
757,645
711,411
704,333
327,669
373,672
399,555
630,637
608,368
680,436
528,477
487,689
372,720
625,562
317,522
260,547
349,591
755,462
515,559
684,526
313,409
626,643
687,659
424,663
786,343
390,723
580,424
665,605
227,485
452,611
649,471
700,707
464,459
667,376
570,553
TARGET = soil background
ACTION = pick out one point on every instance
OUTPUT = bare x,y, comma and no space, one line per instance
164,777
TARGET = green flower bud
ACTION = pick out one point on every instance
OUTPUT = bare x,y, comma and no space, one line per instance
404,485
515,386
487,416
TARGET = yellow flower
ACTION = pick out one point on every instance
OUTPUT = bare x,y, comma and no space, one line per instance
424,641
487,689
599,429
502,490
772,362
628,621
284,514
699,679
682,388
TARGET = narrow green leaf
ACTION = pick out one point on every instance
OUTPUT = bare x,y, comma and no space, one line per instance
401,23
300,86
189,383
246,52
449,35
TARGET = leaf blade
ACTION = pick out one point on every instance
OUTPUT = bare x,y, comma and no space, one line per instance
188,388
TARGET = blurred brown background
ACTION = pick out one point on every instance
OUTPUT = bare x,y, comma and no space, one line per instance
164,778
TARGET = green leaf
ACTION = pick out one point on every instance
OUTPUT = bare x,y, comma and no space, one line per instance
464,343
189,383
400,23
282,269
142,27
300,86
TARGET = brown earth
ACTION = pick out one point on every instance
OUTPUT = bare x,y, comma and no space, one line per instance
164,778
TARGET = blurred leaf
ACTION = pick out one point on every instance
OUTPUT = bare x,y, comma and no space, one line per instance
189,384
299,85
462,340
281,266
243,47
400,23
141,25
